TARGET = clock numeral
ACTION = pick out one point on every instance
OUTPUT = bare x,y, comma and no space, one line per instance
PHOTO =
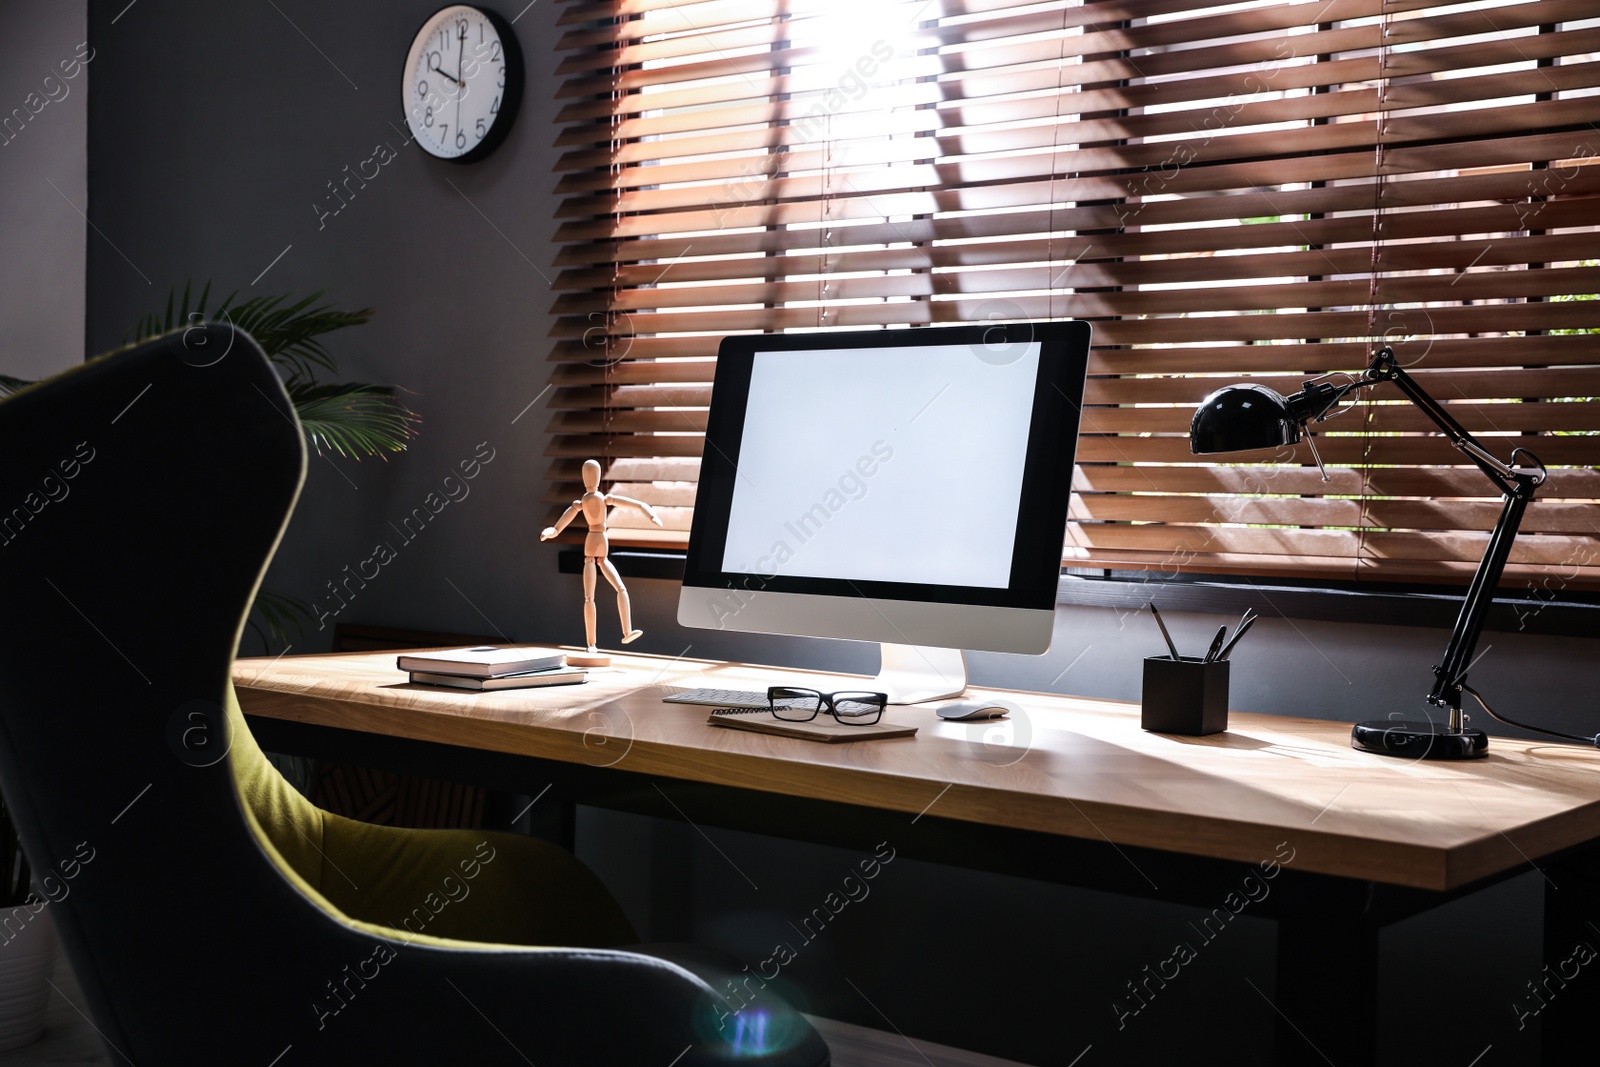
494,52
422,89
461,139
427,117
444,131
501,84
433,60
461,29
494,108
481,130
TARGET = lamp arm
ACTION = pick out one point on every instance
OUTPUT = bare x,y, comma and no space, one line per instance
1517,486
1451,673
1317,399
1384,368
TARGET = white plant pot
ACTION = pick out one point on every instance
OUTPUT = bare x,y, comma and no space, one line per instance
26,962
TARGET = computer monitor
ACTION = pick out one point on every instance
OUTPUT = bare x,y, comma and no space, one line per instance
905,486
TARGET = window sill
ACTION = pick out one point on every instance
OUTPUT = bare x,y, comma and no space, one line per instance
1558,614
666,564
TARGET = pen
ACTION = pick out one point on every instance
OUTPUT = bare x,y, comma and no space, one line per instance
1170,645
1243,626
1248,617
1216,643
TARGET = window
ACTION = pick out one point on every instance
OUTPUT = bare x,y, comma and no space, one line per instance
1256,190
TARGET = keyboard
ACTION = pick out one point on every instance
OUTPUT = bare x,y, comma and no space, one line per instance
722,698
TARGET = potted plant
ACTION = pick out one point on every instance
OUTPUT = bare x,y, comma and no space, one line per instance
349,419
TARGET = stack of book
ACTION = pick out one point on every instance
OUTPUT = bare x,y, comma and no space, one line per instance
489,667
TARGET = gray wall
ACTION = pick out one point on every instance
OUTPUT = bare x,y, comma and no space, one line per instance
43,128
214,164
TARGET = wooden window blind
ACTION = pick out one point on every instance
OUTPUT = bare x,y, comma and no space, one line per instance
1252,191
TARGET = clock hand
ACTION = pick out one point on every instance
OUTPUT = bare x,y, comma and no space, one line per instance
461,54
452,77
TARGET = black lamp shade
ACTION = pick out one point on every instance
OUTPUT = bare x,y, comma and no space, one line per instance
1240,417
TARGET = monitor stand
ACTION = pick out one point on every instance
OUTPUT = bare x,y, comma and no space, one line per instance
911,674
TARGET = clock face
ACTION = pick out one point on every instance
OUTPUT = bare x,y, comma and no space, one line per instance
463,82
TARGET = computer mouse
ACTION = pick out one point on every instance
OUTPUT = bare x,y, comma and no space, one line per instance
987,708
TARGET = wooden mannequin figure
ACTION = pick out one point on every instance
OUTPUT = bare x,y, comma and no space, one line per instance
593,506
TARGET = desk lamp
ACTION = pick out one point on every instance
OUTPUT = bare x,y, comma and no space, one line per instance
1240,417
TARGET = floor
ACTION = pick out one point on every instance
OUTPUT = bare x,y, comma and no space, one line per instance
857,1046
70,1039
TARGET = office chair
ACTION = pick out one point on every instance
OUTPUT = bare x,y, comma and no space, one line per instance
211,914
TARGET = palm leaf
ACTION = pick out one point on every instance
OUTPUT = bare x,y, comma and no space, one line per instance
352,419
288,332
176,316
273,614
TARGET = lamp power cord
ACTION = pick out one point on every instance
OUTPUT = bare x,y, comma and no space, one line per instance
1595,740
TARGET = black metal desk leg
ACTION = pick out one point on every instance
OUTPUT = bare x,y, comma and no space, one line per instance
1563,995
1327,990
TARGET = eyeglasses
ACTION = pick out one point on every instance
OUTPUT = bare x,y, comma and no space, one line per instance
802,705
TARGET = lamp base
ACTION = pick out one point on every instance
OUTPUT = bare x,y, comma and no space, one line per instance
1418,740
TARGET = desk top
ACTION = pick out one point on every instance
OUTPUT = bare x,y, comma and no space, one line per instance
1071,766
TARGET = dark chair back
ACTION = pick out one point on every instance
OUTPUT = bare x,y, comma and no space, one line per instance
141,497
142,494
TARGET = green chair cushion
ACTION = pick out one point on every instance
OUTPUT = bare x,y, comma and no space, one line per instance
460,885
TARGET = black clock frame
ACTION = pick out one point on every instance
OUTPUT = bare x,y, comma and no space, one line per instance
511,95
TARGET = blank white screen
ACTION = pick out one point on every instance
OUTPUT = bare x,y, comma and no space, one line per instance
898,464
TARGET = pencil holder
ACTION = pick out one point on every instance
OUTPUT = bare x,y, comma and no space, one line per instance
1185,696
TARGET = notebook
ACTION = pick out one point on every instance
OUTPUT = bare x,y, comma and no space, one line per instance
485,661
529,680
824,728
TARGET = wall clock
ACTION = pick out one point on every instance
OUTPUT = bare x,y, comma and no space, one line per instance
463,82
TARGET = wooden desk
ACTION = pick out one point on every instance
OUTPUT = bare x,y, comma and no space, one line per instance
1366,833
